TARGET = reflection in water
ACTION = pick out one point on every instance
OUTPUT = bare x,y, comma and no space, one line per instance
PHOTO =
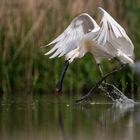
61,126
44,118
116,112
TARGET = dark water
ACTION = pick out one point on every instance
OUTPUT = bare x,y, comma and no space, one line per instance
50,118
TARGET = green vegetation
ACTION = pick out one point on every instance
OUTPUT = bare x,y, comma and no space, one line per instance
25,26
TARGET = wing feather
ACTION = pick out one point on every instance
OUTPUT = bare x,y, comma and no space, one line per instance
72,35
111,32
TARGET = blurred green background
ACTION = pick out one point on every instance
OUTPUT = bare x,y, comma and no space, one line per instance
26,25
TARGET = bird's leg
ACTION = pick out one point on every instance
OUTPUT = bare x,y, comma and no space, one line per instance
99,83
102,74
111,87
100,70
60,81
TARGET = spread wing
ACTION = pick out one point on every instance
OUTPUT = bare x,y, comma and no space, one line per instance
72,35
112,35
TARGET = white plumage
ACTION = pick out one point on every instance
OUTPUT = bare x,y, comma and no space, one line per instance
106,40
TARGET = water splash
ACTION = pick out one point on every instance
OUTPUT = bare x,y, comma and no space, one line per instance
115,94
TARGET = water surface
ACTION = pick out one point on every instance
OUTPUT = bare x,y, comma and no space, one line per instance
50,118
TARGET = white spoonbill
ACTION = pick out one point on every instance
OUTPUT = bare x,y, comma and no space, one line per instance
106,40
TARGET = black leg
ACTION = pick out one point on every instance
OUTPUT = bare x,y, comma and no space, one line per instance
60,81
99,83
